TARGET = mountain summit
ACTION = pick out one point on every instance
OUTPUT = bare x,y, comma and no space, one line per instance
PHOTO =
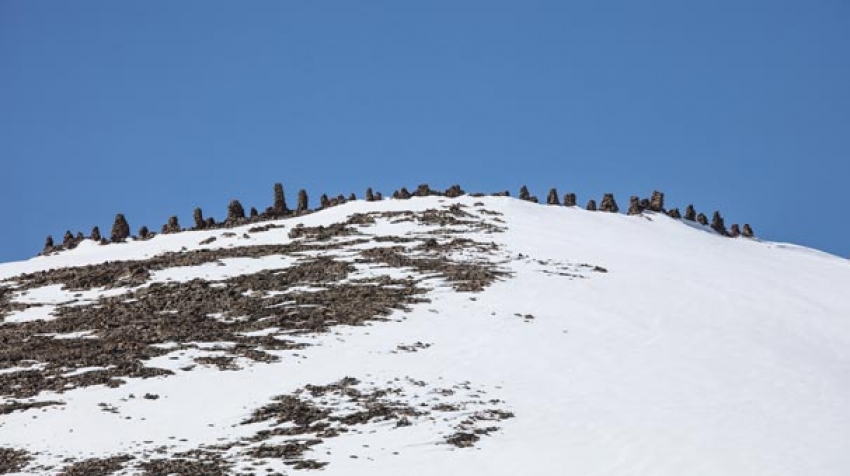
435,335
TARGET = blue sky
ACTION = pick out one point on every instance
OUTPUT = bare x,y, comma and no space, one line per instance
154,108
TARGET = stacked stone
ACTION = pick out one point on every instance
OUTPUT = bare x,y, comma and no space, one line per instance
454,191
734,231
352,197
120,229
235,212
48,245
656,203
717,224
303,203
401,194
279,207
198,215
552,199
379,196
370,196
674,213
423,190
747,232
591,205
569,200
690,213
609,204
635,207
95,234
702,219
523,193
144,233
68,240
324,202
340,199
172,226
253,213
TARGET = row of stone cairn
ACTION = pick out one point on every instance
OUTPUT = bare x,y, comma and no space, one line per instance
236,213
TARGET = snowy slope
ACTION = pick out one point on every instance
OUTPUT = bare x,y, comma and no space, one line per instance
607,345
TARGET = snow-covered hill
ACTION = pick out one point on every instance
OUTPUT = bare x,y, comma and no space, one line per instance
430,336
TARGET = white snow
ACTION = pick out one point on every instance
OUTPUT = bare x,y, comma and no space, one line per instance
694,354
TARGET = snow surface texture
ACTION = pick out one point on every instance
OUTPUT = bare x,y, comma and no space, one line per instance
608,345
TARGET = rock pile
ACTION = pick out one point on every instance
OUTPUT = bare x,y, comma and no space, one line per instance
609,204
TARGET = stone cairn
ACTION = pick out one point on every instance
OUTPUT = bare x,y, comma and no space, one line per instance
569,200
120,229
552,198
734,231
690,213
702,219
171,227
303,203
235,212
198,216
609,204
278,208
454,191
635,207
423,190
591,205
144,233
48,244
95,235
718,225
324,202
747,232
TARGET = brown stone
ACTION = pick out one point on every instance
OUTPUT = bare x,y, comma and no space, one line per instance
235,212
569,200
702,219
690,213
674,213
635,207
747,232
172,226
552,199
717,224
609,204
370,196
423,190
523,193
591,205
454,191
120,229
656,203
95,234
198,215
303,203
734,231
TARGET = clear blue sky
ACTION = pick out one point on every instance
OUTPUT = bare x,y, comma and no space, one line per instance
152,108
